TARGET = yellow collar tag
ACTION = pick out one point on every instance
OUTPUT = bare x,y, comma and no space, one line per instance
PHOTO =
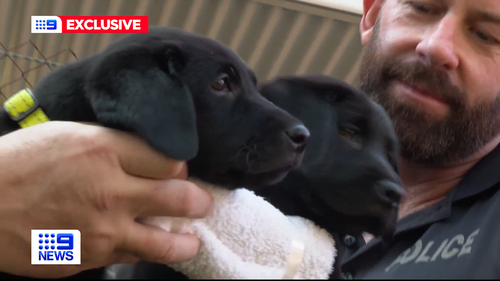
23,108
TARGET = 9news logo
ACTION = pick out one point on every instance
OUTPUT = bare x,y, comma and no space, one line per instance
55,247
46,24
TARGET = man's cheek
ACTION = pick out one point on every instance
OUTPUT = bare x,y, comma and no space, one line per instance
398,36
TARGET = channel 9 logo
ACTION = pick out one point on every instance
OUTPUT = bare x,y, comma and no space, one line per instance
46,24
55,247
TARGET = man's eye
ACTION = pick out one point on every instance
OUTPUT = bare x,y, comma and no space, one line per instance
483,36
423,8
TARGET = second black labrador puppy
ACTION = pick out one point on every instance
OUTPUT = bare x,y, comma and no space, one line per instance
348,182
189,97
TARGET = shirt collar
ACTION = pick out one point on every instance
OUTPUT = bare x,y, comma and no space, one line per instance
483,176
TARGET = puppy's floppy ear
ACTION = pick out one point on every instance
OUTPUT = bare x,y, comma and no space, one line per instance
137,88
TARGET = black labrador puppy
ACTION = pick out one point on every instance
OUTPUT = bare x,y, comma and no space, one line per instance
189,97
348,181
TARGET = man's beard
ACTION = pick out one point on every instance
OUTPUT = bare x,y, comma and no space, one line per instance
426,139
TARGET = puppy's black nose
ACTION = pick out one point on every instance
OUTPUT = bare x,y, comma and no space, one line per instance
298,134
390,192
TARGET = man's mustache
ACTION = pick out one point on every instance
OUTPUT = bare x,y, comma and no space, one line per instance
428,78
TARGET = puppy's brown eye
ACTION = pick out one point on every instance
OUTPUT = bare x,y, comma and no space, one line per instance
221,84
352,135
349,131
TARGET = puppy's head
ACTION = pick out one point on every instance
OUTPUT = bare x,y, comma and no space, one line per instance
194,99
348,180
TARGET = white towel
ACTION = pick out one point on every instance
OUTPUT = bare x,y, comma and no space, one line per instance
248,238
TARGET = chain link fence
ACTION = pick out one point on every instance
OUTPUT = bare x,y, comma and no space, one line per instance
20,70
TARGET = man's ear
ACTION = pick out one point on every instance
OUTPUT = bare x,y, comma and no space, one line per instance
371,9
138,89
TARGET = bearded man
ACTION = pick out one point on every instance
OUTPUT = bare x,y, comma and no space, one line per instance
434,65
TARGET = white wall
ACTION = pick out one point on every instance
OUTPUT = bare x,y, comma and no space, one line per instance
352,6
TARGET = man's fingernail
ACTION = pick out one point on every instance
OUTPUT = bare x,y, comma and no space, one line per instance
183,174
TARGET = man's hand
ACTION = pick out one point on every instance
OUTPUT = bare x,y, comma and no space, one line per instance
65,175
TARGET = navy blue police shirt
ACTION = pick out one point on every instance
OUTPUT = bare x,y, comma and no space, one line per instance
458,237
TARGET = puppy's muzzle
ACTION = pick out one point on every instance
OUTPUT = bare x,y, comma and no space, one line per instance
298,135
389,193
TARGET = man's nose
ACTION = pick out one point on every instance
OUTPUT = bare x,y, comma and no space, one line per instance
438,45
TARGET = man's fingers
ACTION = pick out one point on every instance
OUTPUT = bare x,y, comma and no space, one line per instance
172,198
124,257
138,158
183,174
153,244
